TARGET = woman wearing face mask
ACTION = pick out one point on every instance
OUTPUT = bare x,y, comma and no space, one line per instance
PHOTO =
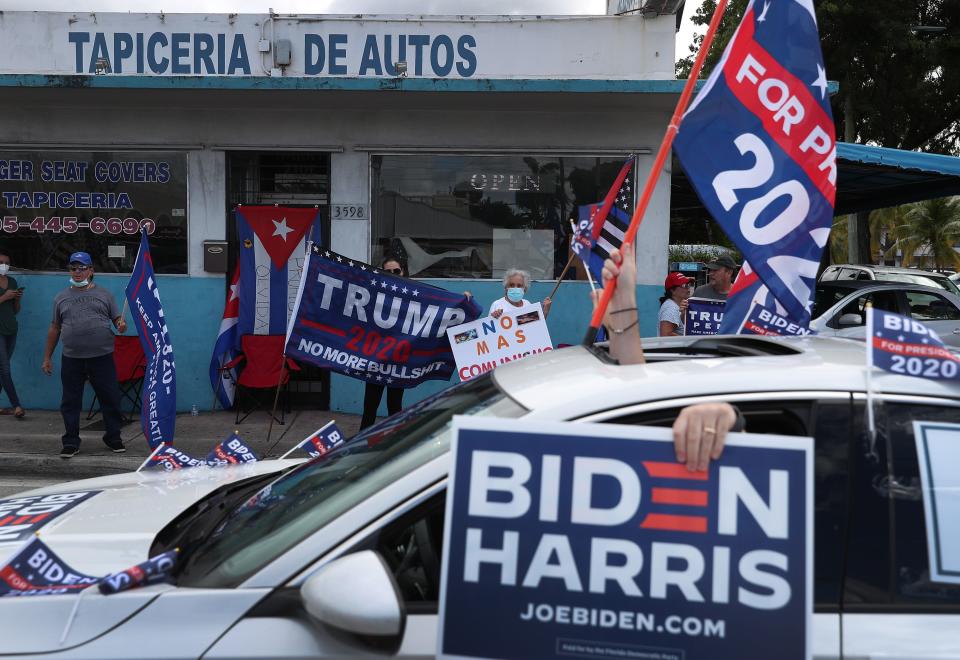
10,295
515,284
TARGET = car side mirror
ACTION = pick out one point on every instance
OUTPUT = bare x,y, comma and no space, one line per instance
357,594
850,320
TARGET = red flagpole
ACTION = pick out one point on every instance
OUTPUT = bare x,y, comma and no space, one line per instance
658,163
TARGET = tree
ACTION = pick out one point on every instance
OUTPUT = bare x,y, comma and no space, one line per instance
929,233
899,84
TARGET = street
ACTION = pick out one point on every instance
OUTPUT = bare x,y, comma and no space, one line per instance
18,483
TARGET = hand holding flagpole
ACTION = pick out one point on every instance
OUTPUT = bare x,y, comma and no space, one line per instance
658,163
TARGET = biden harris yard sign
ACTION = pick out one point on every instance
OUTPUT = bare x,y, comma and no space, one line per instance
592,541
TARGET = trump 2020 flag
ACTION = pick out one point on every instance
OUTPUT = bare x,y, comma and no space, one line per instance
153,571
273,242
222,379
907,347
324,439
36,570
158,412
758,146
371,325
751,310
601,226
231,451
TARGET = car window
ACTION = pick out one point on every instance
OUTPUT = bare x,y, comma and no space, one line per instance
930,307
829,422
887,567
885,300
919,279
849,274
826,297
828,275
310,496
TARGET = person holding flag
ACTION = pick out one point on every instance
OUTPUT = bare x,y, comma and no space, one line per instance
82,316
515,285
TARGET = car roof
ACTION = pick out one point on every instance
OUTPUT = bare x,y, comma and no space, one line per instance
880,285
892,269
573,382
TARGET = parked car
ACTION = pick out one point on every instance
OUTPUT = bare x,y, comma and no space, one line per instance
839,307
271,564
844,272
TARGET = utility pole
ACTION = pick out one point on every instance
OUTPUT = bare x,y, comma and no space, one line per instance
858,224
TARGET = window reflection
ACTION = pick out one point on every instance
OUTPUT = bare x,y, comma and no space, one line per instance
476,216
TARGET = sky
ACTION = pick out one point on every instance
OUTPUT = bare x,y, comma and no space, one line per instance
523,7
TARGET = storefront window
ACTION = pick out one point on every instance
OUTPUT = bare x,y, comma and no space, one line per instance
477,216
56,203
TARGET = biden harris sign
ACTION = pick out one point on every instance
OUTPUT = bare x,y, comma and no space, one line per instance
591,541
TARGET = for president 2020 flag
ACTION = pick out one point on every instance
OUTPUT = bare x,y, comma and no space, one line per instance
371,325
158,410
758,145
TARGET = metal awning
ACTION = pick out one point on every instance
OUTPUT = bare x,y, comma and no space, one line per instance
867,178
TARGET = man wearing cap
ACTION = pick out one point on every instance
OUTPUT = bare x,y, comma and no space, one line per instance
82,316
722,269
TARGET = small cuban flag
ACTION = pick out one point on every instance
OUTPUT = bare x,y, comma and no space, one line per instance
230,452
321,441
904,346
153,571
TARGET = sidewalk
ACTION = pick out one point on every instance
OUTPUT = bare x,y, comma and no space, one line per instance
31,446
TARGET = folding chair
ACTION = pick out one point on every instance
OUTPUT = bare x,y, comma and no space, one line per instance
262,372
131,366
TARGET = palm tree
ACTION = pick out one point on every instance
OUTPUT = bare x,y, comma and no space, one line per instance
930,231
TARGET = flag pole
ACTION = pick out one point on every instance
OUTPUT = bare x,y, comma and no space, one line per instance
294,448
871,422
562,273
290,323
658,163
154,453
586,267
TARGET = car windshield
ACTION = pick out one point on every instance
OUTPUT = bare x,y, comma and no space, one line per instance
309,497
922,280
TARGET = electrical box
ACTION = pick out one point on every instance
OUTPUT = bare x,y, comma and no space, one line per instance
263,46
282,55
215,256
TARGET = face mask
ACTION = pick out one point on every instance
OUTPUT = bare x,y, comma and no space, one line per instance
4,268
79,284
515,294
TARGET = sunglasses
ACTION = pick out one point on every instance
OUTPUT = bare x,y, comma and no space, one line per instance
78,269
395,271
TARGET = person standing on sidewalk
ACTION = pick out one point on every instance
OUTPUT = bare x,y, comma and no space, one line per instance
10,295
82,316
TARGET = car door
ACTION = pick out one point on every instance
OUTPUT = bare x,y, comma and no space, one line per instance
827,416
891,607
937,312
849,317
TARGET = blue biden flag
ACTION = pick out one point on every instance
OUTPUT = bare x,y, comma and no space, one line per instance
158,410
374,326
581,540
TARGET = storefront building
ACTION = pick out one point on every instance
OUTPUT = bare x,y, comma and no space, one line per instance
464,143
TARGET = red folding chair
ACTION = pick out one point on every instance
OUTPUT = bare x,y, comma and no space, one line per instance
262,372
131,366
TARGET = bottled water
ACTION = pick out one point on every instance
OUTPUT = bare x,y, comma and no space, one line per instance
194,411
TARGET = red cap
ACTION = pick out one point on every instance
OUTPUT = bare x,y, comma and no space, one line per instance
676,279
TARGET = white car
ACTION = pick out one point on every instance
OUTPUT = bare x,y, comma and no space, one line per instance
840,307
341,556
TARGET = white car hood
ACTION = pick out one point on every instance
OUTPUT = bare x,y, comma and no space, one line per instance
113,529
107,532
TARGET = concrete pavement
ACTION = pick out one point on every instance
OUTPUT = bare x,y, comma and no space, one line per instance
31,446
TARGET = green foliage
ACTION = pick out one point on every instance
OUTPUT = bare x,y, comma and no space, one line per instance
928,234
900,85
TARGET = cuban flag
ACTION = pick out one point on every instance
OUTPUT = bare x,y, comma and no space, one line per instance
158,412
36,570
323,440
231,452
601,227
758,144
169,459
907,347
273,244
224,381
153,571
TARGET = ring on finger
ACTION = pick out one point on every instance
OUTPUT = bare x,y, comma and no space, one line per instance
709,429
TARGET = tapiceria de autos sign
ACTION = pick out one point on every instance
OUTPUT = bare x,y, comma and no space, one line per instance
582,540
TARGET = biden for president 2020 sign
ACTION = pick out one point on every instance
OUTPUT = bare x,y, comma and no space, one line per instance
591,541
